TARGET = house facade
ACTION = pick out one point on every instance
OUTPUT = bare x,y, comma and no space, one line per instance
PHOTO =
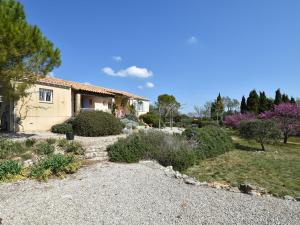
52,100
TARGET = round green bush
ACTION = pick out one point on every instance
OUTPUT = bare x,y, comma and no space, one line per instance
151,119
62,128
212,141
96,123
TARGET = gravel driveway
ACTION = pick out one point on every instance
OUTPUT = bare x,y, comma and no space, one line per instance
132,194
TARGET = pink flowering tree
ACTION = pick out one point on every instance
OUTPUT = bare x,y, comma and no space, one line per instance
234,120
287,117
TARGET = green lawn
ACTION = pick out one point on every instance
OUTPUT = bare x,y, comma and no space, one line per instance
277,170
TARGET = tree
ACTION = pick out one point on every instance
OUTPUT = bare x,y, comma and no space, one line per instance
203,111
24,52
278,97
230,105
217,108
262,131
234,120
168,106
243,105
293,101
263,102
285,98
253,102
287,117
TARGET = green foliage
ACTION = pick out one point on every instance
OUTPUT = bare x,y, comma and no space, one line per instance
132,117
62,143
253,102
62,128
30,142
96,123
263,131
217,108
74,147
243,105
10,148
211,141
131,124
263,102
278,97
9,168
51,141
151,119
44,148
165,148
58,165
24,51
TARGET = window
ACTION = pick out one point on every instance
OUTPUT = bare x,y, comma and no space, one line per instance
46,95
139,106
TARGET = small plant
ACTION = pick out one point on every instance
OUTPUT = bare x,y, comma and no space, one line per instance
262,131
10,148
8,169
51,141
30,142
151,119
62,143
57,165
62,128
44,148
74,147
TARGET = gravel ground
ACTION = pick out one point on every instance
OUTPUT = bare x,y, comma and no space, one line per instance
132,194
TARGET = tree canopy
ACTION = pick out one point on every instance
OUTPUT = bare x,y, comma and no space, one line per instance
24,51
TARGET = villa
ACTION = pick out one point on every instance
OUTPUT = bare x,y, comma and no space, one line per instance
53,100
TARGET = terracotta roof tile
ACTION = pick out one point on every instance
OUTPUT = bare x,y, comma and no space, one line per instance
87,87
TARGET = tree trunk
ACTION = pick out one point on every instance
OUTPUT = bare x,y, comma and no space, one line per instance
285,139
262,147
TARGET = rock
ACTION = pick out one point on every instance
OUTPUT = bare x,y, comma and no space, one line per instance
297,199
191,181
254,193
178,175
287,197
246,188
234,189
27,163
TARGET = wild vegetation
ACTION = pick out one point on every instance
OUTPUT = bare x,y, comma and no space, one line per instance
50,158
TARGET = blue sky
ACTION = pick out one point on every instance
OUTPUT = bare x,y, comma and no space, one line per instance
192,49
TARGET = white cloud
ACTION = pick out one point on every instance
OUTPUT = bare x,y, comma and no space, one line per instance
132,71
141,87
192,40
117,58
149,85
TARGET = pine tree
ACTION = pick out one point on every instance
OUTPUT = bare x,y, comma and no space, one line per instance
253,102
285,98
263,102
243,105
278,97
217,108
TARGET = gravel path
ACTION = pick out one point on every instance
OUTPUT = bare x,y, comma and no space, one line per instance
132,194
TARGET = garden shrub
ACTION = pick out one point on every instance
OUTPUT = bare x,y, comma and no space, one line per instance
51,141
9,148
30,142
165,148
74,147
132,117
44,148
58,165
131,124
96,123
151,119
9,168
62,128
211,141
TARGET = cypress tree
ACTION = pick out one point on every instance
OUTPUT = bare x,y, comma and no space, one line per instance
285,98
263,102
278,97
243,105
293,101
253,102
217,108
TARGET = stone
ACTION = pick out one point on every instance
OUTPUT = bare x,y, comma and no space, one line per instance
287,197
246,188
191,181
27,163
